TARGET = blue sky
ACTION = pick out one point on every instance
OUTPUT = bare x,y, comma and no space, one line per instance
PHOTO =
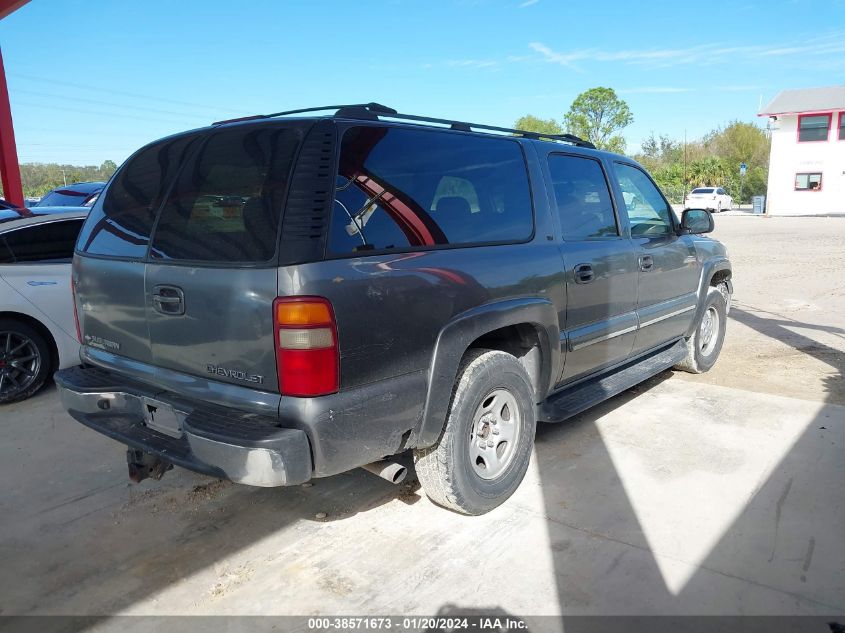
95,79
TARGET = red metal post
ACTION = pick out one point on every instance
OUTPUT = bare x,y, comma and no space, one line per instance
9,168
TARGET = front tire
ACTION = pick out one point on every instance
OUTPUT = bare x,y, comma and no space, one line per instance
704,346
482,454
25,362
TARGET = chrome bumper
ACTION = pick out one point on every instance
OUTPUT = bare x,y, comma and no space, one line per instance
242,447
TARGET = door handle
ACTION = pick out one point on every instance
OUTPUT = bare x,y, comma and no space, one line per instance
584,274
169,300
646,263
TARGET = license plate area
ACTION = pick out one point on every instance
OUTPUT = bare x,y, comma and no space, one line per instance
162,417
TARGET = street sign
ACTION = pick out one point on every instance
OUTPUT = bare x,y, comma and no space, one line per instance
742,168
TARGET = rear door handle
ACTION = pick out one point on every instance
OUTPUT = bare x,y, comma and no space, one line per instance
584,274
646,263
169,300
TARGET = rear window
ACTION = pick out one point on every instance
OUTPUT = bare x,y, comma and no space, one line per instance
226,203
700,190
64,198
120,222
399,188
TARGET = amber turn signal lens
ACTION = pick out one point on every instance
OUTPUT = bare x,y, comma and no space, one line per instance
299,313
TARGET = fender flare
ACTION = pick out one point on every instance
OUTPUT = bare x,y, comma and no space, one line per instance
708,269
456,337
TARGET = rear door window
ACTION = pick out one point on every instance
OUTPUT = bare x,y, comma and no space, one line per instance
51,242
120,222
226,203
400,188
582,197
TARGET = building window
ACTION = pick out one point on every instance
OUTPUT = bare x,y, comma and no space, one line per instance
808,182
813,127
842,126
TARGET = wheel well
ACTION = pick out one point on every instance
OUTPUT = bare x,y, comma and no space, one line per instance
522,341
39,327
719,276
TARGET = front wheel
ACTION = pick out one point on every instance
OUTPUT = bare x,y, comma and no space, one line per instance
704,345
483,452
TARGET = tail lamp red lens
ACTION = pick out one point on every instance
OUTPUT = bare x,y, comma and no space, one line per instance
306,346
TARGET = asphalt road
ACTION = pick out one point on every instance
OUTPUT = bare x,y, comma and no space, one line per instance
715,494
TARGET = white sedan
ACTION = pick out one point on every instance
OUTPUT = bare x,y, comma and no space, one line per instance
37,327
710,198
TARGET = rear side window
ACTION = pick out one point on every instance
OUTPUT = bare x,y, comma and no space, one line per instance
402,188
45,243
582,197
120,222
226,203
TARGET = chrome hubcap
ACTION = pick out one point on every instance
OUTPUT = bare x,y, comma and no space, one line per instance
496,425
708,331
19,362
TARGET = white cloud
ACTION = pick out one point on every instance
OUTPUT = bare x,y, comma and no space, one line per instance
654,90
700,55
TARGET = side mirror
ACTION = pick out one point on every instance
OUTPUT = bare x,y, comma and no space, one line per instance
697,221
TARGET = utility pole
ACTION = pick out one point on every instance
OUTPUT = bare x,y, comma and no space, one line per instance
685,168
64,177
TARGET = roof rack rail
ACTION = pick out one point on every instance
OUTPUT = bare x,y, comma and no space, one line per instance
372,111
351,110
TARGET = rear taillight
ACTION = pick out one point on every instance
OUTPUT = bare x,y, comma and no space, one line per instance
75,313
306,346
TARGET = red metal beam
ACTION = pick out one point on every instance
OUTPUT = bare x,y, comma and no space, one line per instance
9,167
10,170
7,6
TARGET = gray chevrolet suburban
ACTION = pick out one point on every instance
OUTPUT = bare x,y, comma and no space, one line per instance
295,295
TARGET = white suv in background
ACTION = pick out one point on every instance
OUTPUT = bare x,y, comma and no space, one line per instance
37,329
710,198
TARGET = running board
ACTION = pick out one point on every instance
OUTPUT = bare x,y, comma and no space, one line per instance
560,406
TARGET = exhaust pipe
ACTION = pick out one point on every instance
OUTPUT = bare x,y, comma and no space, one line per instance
391,471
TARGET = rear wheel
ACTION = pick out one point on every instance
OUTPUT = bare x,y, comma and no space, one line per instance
24,361
483,452
704,345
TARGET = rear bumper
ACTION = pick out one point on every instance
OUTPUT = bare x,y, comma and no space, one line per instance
243,447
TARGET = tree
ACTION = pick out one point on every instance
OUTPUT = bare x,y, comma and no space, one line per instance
531,123
596,115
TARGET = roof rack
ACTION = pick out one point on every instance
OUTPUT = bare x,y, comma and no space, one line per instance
373,111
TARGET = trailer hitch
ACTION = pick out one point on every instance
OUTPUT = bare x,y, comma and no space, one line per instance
144,465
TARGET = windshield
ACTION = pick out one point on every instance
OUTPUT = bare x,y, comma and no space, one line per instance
700,190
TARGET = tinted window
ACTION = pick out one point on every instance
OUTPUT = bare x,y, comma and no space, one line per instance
120,222
400,188
648,212
49,242
582,197
64,198
813,127
226,204
702,190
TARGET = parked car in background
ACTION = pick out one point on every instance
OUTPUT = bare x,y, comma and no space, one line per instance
80,194
285,298
31,202
37,329
710,198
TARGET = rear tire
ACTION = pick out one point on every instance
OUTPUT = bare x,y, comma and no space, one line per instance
704,346
492,405
25,362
